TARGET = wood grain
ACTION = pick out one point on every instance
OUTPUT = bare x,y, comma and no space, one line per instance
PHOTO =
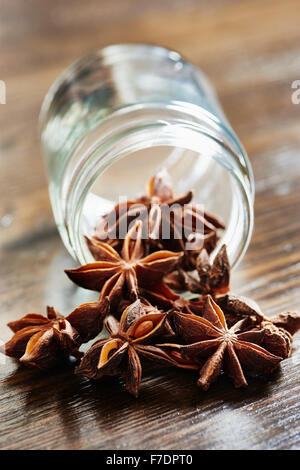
250,51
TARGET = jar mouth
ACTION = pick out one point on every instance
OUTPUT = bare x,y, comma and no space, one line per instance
144,127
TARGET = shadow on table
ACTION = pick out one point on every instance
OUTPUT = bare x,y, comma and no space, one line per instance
78,407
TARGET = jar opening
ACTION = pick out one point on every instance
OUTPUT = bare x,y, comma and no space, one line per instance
140,142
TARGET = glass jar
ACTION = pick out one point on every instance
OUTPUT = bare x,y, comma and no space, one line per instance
116,117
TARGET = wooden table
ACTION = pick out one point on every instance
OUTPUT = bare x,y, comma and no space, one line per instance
251,52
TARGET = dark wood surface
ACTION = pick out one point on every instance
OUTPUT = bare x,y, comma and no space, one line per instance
251,52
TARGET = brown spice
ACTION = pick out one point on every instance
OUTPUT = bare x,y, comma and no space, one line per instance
161,209
117,275
237,308
88,318
277,339
289,321
212,279
129,341
221,331
41,342
223,348
165,298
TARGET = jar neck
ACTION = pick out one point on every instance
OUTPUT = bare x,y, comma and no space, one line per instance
138,127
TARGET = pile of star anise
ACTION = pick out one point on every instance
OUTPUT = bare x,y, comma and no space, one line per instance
145,317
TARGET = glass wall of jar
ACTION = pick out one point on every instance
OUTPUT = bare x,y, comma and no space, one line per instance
115,118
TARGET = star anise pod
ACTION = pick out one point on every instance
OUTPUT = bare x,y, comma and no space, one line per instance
148,306
278,330
117,275
237,308
223,348
129,341
87,319
42,341
289,321
165,298
168,221
276,340
212,279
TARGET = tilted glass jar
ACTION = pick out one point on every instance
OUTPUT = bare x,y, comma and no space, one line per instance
116,117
